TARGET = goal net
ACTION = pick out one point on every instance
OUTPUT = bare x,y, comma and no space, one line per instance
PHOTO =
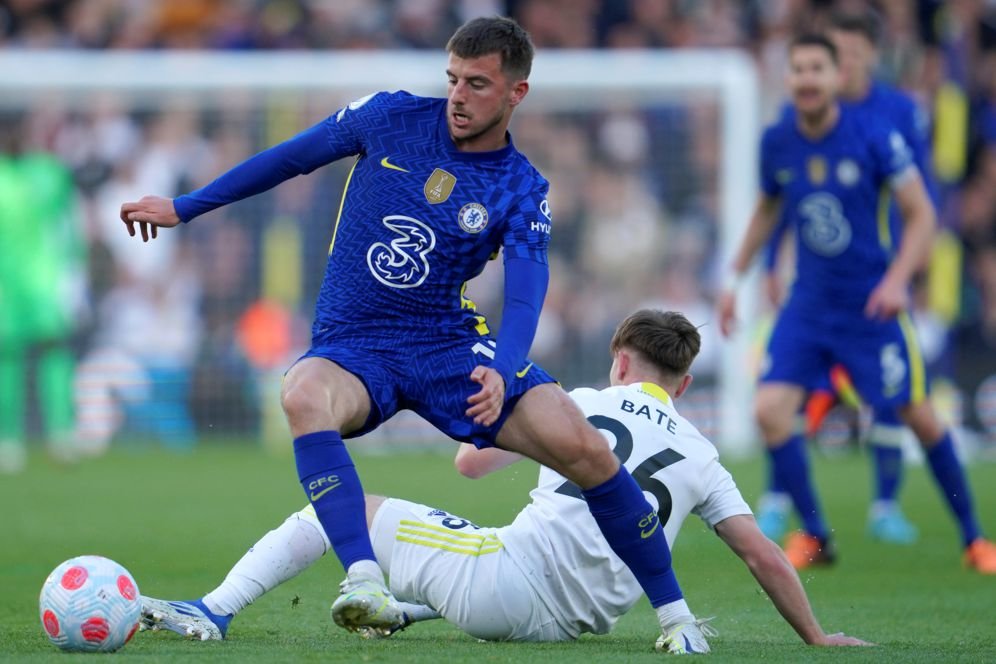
651,158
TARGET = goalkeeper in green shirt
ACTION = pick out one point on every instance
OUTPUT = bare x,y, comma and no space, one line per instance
42,281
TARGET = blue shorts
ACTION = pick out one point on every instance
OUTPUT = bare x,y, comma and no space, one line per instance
882,357
431,378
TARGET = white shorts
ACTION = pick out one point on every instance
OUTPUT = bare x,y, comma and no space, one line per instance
461,570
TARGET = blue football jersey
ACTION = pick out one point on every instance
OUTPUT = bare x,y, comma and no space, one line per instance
419,218
895,107
834,192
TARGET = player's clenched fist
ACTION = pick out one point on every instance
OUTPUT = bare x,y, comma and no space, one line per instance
149,213
485,406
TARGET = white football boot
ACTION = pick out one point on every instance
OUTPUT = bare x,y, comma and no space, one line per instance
190,619
365,605
686,638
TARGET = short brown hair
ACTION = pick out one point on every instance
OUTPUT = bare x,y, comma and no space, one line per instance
815,39
495,34
865,24
664,338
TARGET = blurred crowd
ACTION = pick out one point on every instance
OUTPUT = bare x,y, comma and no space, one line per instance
188,335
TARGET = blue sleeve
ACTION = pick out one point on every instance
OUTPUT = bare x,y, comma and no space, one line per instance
338,136
528,224
892,156
525,287
301,154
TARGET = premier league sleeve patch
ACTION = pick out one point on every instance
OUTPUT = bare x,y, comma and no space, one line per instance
473,217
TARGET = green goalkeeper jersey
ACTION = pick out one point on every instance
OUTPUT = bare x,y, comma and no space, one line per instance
42,249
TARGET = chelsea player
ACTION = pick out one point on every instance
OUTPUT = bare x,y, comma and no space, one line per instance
436,190
829,168
856,35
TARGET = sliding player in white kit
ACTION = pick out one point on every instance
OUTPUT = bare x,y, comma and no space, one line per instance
550,575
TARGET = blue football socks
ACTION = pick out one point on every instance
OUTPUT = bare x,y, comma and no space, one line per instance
774,484
888,469
329,478
885,445
951,479
636,534
791,468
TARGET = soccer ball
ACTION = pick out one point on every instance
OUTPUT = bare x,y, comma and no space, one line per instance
90,604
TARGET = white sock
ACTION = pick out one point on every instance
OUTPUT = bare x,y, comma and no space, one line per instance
279,556
418,612
367,569
673,612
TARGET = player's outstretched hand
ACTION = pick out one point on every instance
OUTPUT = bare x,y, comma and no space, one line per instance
149,213
727,308
485,406
841,639
887,301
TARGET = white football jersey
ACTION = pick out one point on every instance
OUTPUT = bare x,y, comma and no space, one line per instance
555,540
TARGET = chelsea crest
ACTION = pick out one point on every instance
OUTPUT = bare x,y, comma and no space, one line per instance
473,217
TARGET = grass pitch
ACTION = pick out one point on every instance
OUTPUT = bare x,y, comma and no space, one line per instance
179,522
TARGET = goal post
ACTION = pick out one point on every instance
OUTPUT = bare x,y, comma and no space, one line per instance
583,83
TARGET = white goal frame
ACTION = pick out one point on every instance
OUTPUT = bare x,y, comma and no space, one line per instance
561,80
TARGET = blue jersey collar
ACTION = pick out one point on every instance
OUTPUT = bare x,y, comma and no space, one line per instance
825,137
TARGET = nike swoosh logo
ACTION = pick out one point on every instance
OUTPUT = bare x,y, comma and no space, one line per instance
644,534
520,374
316,496
386,164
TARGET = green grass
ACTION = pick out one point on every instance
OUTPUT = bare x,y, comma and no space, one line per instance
179,522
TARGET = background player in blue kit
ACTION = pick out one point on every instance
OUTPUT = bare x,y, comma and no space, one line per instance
437,189
856,37
829,168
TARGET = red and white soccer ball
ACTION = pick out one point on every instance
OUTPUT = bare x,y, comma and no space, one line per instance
90,604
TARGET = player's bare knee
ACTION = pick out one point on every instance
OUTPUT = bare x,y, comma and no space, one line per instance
301,403
924,423
775,433
763,414
588,462
774,414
